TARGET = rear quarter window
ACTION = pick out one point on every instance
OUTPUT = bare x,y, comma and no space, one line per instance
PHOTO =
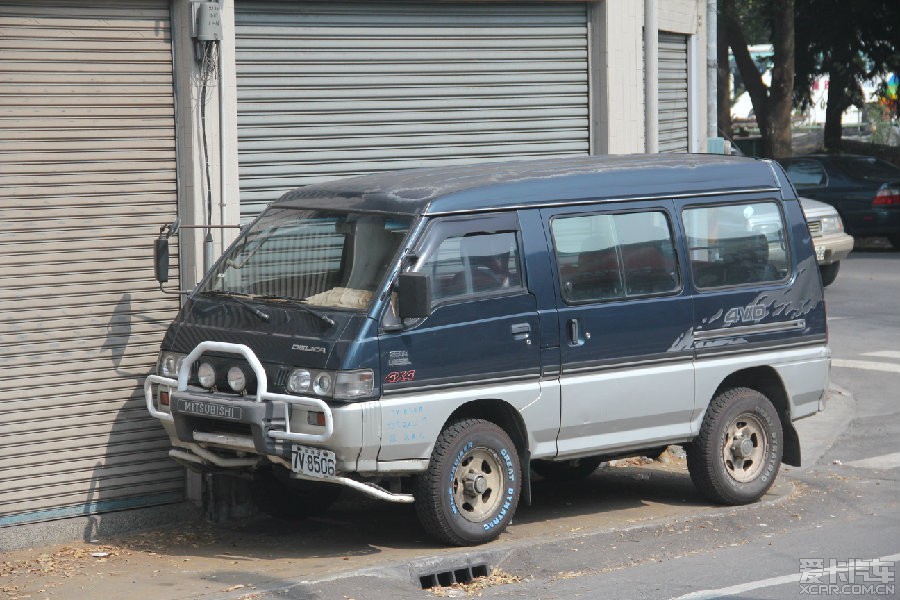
805,173
736,244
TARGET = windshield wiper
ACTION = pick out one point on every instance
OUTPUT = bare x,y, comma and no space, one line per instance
240,300
299,304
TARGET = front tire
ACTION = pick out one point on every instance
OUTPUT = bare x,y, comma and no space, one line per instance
737,455
471,489
829,273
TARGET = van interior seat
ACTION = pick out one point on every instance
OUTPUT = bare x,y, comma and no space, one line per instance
596,276
648,268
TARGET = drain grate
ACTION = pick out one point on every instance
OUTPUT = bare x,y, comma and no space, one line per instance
448,578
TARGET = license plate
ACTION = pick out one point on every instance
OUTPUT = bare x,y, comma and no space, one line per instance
209,409
820,252
313,462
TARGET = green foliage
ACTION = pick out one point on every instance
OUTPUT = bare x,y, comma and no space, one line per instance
851,42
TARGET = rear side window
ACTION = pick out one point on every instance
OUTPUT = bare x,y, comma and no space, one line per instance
736,244
614,256
867,168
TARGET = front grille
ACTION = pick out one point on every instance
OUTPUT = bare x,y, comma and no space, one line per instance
815,228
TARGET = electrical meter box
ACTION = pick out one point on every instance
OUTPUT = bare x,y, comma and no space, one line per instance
208,21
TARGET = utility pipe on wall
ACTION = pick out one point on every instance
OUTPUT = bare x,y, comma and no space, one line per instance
651,77
712,66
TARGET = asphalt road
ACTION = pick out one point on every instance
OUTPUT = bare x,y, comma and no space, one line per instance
845,503
638,531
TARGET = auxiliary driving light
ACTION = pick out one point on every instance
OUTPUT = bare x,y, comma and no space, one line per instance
237,381
207,375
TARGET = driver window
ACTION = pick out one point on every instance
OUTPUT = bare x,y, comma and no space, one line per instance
473,264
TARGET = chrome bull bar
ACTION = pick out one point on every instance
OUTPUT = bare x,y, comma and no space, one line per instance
262,393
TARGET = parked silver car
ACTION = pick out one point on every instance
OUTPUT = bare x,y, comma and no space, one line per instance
831,242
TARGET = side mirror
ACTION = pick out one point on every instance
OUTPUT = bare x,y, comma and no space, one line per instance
413,296
161,259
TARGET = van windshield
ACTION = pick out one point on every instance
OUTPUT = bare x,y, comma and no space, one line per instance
321,258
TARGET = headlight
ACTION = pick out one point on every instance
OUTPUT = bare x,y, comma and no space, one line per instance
298,382
207,375
832,225
341,385
322,384
169,363
237,381
354,384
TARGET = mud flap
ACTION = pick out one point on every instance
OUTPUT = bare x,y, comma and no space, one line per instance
791,455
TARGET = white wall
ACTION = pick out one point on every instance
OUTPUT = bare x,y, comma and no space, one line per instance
619,126
192,187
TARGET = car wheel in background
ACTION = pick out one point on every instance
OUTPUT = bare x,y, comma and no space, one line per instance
829,273
895,241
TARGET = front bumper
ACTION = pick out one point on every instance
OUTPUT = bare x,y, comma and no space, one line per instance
832,248
210,430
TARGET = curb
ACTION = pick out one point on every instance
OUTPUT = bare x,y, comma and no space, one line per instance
407,575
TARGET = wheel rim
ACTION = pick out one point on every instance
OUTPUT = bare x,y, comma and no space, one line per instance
745,446
477,485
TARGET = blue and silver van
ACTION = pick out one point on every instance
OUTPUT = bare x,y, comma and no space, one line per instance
438,335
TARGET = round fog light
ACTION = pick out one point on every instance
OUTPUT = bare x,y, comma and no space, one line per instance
207,375
237,381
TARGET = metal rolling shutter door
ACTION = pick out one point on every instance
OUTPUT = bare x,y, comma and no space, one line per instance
673,93
329,90
87,169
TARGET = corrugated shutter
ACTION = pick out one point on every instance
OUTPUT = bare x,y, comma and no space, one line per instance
329,90
673,92
87,173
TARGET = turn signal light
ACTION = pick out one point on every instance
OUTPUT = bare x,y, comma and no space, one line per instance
164,398
315,418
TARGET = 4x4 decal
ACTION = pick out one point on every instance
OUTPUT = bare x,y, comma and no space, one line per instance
746,314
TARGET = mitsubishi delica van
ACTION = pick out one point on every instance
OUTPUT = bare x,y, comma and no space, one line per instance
438,335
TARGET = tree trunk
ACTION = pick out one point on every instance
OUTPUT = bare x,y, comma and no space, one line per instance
782,89
757,90
837,104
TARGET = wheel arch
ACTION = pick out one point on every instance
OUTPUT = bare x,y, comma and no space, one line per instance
505,416
767,381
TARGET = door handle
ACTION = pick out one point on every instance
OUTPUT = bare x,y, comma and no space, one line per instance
575,335
521,331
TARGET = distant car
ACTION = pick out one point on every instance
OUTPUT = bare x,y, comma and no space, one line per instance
864,190
831,242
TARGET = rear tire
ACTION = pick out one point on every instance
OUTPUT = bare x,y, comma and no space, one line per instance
471,489
895,241
567,470
736,457
829,273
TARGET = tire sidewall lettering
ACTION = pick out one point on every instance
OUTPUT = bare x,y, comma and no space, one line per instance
459,456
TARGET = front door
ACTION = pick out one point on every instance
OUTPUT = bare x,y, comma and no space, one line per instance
625,319
480,341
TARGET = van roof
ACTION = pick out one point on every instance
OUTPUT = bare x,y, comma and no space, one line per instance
527,183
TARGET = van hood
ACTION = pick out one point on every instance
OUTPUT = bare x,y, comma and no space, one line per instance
277,332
